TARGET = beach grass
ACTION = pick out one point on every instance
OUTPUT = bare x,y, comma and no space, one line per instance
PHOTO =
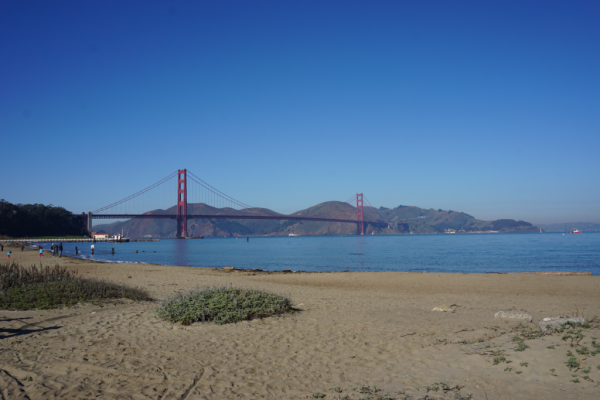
222,305
26,288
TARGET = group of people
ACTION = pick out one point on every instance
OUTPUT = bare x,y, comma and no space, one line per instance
56,248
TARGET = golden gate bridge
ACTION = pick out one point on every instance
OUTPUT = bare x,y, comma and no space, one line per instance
197,199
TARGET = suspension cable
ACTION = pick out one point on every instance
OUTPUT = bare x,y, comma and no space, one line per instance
217,192
135,194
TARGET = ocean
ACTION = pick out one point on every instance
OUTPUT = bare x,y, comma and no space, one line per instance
464,253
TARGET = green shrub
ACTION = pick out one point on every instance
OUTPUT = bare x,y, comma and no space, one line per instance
572,363
14,275
222,305
32,288
498,360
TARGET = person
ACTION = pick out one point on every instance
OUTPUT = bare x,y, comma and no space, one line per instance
52,248
60,250
8,254
41,252
92,249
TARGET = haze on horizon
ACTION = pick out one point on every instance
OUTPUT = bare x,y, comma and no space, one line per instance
492,109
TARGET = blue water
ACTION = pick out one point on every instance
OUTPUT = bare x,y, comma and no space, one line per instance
422,253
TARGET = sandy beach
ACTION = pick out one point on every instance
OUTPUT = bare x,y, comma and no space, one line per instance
351,330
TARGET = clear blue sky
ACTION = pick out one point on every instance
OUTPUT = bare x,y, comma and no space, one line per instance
491,108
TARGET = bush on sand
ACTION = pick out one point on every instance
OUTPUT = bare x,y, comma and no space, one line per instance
222,305
24,288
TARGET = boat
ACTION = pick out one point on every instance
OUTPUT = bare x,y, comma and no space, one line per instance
575,231
292,234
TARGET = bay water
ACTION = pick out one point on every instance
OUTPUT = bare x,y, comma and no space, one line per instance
466,253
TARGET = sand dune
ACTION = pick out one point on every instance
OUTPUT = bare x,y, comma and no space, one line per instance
351,330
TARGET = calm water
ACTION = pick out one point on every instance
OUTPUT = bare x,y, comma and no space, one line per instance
423,253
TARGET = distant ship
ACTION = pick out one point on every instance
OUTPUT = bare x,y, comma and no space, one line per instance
292,234
575,231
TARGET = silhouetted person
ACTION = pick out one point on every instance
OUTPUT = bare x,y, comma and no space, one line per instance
60,250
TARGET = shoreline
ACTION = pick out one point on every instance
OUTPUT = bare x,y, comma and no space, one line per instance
438,256
556,273
351,329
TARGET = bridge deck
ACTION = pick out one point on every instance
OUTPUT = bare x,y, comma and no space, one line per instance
225,216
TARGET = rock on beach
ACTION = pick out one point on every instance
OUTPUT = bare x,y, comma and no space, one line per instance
513,315
444,308
550,324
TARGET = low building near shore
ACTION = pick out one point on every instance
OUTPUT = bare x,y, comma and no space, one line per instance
100,235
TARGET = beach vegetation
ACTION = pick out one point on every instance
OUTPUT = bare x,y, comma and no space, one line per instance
318,395
524,364
222,305
521,346
23,288
573,363
434,391
498,360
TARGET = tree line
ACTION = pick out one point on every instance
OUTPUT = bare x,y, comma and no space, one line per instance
34,220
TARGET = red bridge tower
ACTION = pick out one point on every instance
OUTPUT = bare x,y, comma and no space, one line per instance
182,203
360,221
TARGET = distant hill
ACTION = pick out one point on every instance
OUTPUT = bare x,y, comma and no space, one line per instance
402,219
571,226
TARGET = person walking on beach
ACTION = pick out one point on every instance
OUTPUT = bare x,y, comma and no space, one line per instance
41,252
53,249
60,250
8,254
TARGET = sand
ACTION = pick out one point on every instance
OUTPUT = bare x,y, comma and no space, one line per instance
351,330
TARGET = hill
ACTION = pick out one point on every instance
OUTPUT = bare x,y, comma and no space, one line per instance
402,219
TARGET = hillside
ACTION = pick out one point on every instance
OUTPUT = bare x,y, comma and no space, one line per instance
402,219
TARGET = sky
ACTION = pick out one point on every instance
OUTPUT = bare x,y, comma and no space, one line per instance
491,108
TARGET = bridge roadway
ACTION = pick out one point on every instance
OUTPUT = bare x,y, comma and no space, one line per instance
225,216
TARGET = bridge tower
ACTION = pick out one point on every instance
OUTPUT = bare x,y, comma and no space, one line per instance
89,225
182,203
360,221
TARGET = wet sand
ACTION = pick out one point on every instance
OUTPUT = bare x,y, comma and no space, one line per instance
351,330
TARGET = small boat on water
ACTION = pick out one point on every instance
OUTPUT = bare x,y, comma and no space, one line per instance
292,234
575,231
